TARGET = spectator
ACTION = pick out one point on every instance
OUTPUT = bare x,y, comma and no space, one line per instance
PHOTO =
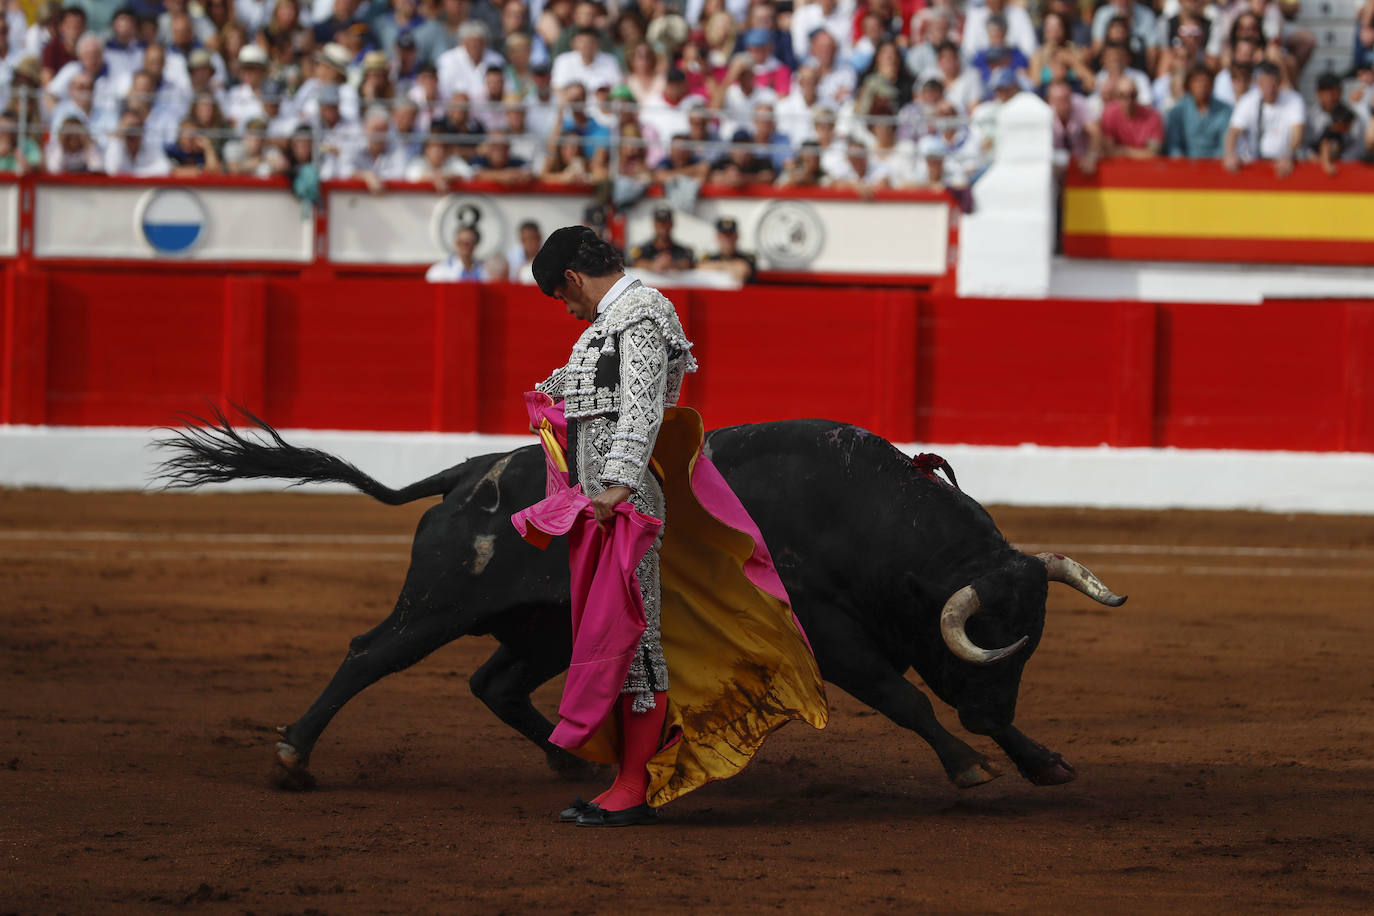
779,146
44,29
1339,141
17,158
728,258
742,167
209,121
405,64
497,164
491,113
886,78
90,59
1116,59
123,52
794,112
662,254
567,162
763,16
916,118
1267,123
665,114
1020,30
1190,12
833,147
461,69
1320,115
921,60
541,105
804,170
521,255
897,157
464,131
129,152
938,169
96,113
837,80
830,15
339,137
523,144
60,49
462,266
251,155
998,55
1196,127
376,85
586,63
1059,58
243,103
437,163
983,124
769,72
705,139
1143,29
403,19
740,95
330,72
643,76
343,17
1364,38
520,65
192,153
681,162
1235,79
1176,61
1130,129
376,160
963,86
71,150
858,172
577,120
1076,133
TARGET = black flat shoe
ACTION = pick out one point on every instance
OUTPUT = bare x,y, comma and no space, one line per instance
627,817
575,810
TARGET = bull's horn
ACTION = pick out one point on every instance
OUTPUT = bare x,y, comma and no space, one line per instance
962,605
1071,572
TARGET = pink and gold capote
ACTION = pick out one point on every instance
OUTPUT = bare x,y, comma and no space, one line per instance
738,661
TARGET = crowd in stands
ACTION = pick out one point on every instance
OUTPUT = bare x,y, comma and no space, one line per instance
848,93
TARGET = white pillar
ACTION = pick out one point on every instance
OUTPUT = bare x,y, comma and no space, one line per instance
1006,243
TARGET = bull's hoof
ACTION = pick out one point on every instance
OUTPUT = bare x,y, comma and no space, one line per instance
975,775
1055,772
292,772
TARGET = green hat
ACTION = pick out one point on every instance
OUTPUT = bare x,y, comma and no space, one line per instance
622,93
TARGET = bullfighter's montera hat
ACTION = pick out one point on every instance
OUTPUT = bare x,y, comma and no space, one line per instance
555,254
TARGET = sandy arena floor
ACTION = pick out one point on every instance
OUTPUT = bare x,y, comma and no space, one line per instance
1222,723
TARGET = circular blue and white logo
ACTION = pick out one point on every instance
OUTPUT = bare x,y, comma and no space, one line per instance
172,220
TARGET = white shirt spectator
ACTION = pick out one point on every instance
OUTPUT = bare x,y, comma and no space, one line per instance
123,62
306,108
100,122
419,169
450,270
105,84
739,107
1223,88
150,162
839,22
901,163
837,86
391,165
241,105
569,68
1020,31
661,121
844,170
459,73
795,118
967,90
338,150
1272,124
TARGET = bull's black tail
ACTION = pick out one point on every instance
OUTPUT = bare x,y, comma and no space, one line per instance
207,451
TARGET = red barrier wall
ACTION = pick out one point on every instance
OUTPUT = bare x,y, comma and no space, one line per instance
119,346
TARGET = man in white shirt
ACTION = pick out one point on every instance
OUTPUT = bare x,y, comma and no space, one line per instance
837,80
835,17
90,59
586,63
742,94
339,136
461,266
794,110
461,69
857,170
963,85
129,153
1020,29
123,50
242,103
663,115
1267,123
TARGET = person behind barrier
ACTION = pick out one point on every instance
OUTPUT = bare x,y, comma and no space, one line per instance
462,266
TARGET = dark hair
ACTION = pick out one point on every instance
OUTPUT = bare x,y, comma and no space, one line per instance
944,46
528,224
73,11
476,235
1196,69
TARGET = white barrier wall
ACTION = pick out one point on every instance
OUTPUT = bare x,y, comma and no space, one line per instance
9,220
161,222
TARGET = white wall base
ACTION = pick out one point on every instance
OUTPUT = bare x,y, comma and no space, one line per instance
106,458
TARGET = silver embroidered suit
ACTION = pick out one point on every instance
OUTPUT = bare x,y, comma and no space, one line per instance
624,370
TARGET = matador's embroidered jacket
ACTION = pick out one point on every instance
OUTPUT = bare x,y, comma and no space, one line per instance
627,366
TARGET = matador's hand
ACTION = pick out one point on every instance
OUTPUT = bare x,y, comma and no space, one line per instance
604,503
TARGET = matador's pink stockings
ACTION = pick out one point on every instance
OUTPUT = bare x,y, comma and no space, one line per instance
640,733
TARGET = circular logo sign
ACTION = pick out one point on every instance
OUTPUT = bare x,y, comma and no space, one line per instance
790,234
172,220
470,211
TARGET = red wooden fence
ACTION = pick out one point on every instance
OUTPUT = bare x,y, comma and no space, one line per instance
130,347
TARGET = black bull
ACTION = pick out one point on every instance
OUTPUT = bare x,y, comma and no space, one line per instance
887,568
